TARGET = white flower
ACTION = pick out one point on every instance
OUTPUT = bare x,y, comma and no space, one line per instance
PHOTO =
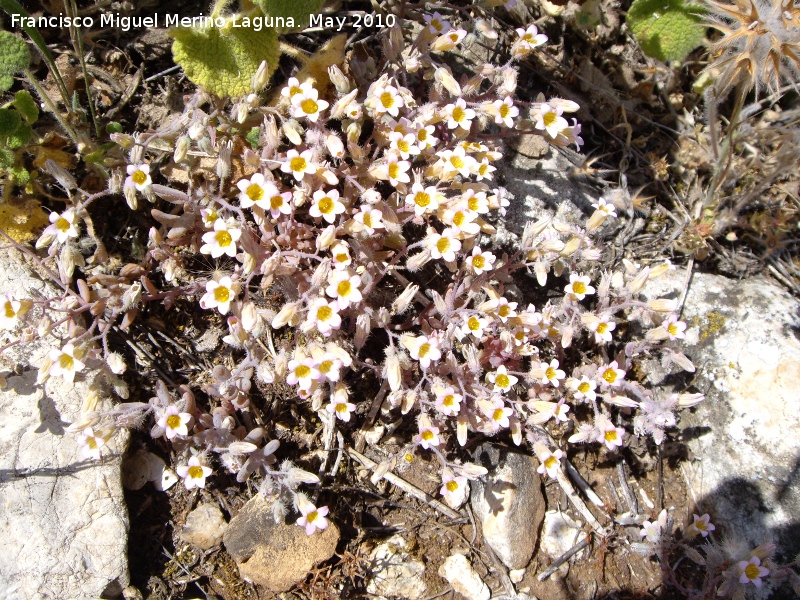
550,462
340,253
294,87
299,163
448,41
65,363
138,177
503,382
219,294
423,199
458,115
448,401
480,262
676,330
422,348
461,220
393,170
63,226
548,118
323,315
385,99
475,201
404,144
454,489
341,408
11,310
751,571
701,525
370,218
610,375
583,388
326,205
424,135
222,240
474,325
456,162
312,518
609,435
302,373
437,24
578,287
529,39
601,326
343,287
307,104
607,208
174,423
90,444
484,170
498,413
551,373
504,309
428,436
194,473
503,111
443,245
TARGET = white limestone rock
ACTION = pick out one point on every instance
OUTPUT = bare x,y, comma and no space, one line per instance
459,573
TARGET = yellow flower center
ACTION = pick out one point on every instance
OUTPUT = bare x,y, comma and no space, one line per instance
459,114
459,218
422,135
551,462
579,287
295,89
453,37
255,192
504,311
550,373
483,169
672,328
422,199
222,294
443,245
298,164
610,375
394,170
437,24
302,371
474,324
408,457
403,145
325,366
326,205
498,414
611,435
62,224
344,288
602,328
139,177
584,387
427,435
196,472
91,442
502,381
276,202
223,238
314,514
173,421
549,118
701,525
751,571
66,362
478,261
457,162
387,100
341,257
324,313
473,203
341,407
9,311
309,106
367,219
504,110
424,349
449,400
451,486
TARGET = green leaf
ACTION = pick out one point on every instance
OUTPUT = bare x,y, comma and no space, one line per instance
114,127
20,175
224,61
253,137
298,10
667,30
20,137
6,158
26,106
9,121
14,58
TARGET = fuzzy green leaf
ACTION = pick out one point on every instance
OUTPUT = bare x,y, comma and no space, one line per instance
253,137
6,158
14,57
26,106
667,30
224,61
20,137
297,10
9,121
20,175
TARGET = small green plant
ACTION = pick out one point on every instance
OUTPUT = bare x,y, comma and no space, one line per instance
667,30
225,52
14,58
16,119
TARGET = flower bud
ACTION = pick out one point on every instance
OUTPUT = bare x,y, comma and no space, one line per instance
288,315
130,197
637,283
445,78
320,276
338,79
418,260
394,374
571,246
659,269
293,131
123,139
687,400
132,296
334,145
261,77
339,108
116,363
224,160
363,328
598,218
664,305
181,148
326,237
250,317
403,301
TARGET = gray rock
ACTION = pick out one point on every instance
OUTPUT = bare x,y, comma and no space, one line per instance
746,434
204,527
537,177
394,573
463,578
65,523
559,534
509,504
275,555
